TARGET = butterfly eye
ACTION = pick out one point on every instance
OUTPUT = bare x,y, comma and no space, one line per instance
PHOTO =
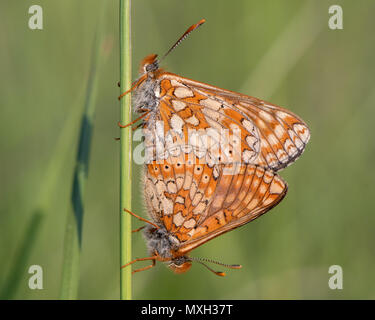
147,67
151,67
180,264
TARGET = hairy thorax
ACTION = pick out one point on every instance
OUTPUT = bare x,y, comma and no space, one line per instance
146,96
160,241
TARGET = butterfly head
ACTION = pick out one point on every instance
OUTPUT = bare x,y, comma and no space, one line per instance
149,64
180,264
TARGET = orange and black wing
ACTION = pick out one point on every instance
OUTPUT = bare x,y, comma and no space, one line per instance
268,135
238,199
196,203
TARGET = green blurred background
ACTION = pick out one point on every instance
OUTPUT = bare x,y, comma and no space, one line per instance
280,51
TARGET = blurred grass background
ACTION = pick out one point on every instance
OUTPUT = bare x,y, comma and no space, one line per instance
325,76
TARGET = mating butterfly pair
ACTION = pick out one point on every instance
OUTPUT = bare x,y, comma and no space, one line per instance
190,195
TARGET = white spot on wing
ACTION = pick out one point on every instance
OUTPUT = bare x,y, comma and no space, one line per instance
248,156
167,206
276,186
253,143
290,148
259,172
192,120
172,187
266,116
299,144
302,131
183,92
262,189
267,177
180,200
199,209
282,115
279,131
190,223
178,105
178,219
210,103
175,83
177,123
282,156
249,126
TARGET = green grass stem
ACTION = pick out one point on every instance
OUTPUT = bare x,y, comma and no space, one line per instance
125,150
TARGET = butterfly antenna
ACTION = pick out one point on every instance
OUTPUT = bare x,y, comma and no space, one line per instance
184,36
231,266
219,273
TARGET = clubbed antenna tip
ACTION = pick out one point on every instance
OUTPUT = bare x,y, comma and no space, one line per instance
184,36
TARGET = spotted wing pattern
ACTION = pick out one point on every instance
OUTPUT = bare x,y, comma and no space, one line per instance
196,203
268,135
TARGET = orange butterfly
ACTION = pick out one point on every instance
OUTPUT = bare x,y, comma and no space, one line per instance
190,196
189,205
269,136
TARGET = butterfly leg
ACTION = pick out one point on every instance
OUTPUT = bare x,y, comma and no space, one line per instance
145,268
139,259
139,229
142,219
137,126
134,121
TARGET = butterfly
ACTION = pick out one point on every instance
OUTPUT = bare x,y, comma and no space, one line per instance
266,134
190,205
213,158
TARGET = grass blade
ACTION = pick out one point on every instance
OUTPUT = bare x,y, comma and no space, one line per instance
73,233
13,280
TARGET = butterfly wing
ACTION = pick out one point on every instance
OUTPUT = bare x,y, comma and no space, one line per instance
196,203
195,200
269,135
178,191
238,199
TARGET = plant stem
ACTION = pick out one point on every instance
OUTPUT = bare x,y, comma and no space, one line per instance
126,150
